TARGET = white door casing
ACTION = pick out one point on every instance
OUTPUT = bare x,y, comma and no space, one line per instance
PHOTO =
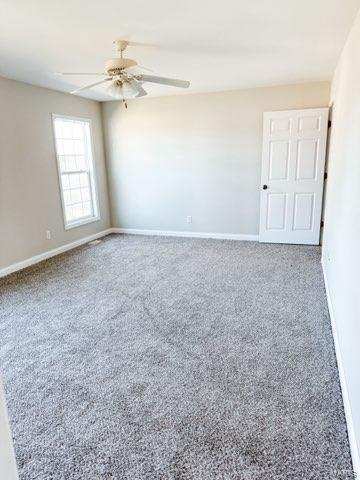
292,176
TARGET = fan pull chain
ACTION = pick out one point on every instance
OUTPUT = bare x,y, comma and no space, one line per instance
124,102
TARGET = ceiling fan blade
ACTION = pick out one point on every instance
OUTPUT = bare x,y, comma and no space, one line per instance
137,86
173,82
91,85
145,68
78,73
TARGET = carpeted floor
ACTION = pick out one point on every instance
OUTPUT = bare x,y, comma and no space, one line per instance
173,359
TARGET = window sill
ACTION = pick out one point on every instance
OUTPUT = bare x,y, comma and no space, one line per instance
79,223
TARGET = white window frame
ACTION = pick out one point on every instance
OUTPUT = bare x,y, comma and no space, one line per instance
92,174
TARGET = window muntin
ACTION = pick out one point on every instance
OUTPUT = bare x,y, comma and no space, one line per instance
76,173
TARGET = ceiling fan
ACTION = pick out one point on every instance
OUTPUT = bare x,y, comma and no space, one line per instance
125,84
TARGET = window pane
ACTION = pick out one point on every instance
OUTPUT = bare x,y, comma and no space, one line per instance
78,130
68,147
75,180
78,211
58,128
60,147
68,214
75,195
65,181
87,208
84,179
73,148
81,162
79,147
70,164
66,129
85,194
62,162
67,197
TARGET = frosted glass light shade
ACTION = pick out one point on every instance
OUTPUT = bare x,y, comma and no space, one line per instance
122,91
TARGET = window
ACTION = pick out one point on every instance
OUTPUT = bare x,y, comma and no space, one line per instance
76,171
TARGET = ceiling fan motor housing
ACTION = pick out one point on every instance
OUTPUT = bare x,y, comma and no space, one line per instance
115,65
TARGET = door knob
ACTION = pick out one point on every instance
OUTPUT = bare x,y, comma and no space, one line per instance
265,187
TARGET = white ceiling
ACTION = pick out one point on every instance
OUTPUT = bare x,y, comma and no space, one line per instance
217,45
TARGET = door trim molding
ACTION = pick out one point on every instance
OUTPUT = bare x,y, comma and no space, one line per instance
344,390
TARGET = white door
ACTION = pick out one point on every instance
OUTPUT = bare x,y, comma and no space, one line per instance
292,176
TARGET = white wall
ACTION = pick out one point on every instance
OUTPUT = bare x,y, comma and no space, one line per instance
197,155
29,191
341,240
8,469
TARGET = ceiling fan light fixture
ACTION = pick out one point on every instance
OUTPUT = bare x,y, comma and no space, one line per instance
117,65
122,90
125,84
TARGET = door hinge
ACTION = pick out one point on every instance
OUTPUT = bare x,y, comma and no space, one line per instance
322,223
329,124
325,176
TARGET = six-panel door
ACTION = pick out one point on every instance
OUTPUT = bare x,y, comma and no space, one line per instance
293,159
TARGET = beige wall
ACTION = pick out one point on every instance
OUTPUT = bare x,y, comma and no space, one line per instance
341,241
168,158
197,155
29,191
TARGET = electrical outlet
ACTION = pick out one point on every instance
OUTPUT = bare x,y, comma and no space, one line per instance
189,219
48,234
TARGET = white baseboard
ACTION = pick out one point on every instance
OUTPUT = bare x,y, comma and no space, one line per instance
51,253
345,394
69,246
175,233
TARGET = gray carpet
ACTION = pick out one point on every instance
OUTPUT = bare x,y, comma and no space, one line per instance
173,359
